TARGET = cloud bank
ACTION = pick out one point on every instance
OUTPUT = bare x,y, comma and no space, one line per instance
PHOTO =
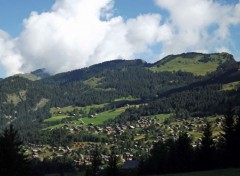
79,33
199,25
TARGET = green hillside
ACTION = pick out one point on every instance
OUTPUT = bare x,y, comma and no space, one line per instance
83,115
196,63
29,76
116,83
35,75
121,106
231,86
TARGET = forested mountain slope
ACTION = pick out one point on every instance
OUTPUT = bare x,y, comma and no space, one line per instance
169,80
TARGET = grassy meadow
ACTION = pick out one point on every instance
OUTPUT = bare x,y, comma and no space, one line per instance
231,86
193,65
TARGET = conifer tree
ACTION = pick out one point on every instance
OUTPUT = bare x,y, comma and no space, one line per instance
96,162
207,149
184,153
237,140
12,159
112,169
228,135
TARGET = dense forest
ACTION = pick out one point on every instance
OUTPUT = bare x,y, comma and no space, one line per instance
169,156
180,156
182,93
182,87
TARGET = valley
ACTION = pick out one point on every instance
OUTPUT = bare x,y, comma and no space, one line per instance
125,107
126,138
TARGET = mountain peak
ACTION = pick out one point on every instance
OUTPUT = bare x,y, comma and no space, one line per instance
41,73
196,63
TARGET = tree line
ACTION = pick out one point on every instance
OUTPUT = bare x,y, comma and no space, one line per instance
174,156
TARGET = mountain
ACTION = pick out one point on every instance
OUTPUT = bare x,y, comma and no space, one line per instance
117,83
88,72
128,106
35,75
196,63
41,73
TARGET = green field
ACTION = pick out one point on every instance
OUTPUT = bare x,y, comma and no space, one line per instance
98,119
93,82
29,76
56,118
222,172
71,108
231,86
54,127
104,116
160,117
42,103
129,98
192,65
17,97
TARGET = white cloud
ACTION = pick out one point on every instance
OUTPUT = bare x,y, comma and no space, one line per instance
222,49
10,59
145,30
79,33
199,25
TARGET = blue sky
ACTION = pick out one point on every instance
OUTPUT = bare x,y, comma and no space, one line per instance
12,13
62,35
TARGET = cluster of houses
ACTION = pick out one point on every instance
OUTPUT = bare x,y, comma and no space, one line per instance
109,129
145,132
79,152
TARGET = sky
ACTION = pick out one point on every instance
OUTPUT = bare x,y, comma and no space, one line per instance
62,35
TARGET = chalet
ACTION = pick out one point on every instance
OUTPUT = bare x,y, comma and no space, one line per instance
131,127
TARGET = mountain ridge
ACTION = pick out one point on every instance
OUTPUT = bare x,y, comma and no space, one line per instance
120,103
79,73
43,73
104,83
196,63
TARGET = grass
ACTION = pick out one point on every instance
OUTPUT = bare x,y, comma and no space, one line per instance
42,103
98,120
192,65
139,137
56,118
129,98
195,134
16,98
93,82
71,108
53,127
160,117
231,86
221,172
29,76
104,116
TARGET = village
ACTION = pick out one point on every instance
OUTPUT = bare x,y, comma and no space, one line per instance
129,140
